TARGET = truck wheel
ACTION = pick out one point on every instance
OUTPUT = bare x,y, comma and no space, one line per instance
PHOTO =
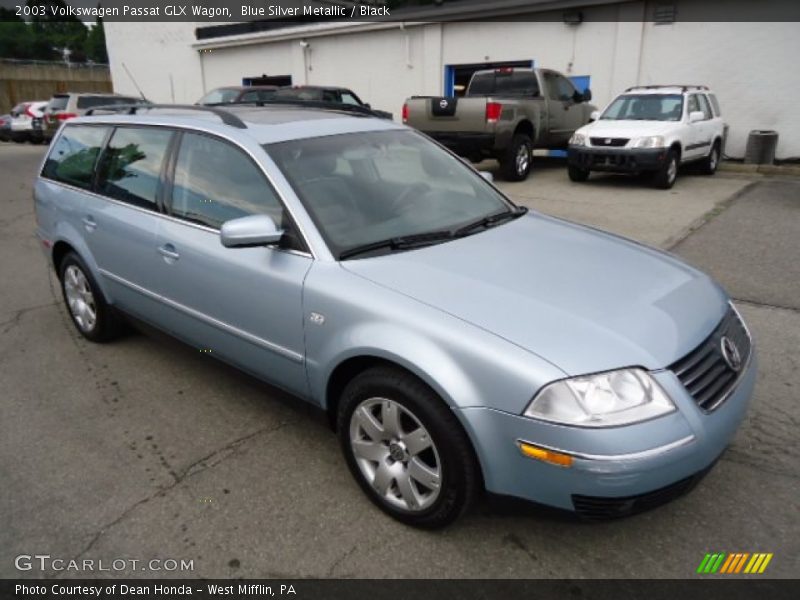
517,162
577,174
665,177
406,449
711,162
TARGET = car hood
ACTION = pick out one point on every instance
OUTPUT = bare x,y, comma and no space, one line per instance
579,298
629,129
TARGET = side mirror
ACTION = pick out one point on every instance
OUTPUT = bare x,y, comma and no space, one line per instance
246,232
487,175
587,95
367,105
696,115
595,114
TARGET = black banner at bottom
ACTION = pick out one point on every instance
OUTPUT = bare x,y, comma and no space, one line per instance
397,589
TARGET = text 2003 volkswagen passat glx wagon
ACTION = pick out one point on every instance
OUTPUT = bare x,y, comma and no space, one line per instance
458,342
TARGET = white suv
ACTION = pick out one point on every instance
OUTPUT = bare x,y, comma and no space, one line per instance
652,128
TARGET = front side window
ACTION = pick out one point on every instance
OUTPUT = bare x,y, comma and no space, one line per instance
348,98
645,107
559,88
73,156
692,104
219,96
364,188
704,106
131,165
715,104
215,182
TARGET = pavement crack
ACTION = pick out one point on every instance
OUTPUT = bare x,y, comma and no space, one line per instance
340,560
9,324
196,467
760,304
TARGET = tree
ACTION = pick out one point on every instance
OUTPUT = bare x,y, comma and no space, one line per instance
59,32
96,43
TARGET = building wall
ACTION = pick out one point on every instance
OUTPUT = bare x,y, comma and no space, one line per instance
749,65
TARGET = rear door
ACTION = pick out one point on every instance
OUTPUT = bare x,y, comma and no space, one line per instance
243,305
120,221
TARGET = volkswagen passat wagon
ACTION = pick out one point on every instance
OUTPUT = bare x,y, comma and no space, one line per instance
459,342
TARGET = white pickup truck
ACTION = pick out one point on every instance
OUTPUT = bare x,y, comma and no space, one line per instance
652,128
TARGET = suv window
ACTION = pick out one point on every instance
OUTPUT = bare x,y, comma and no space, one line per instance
704,106
73,156
85,102
58,103
131,165
348,98
215,182
692,105
715,104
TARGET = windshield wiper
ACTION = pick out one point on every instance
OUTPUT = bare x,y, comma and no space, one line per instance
405,242
490,221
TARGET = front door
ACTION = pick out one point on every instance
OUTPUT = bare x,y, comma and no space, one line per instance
565,115
243,305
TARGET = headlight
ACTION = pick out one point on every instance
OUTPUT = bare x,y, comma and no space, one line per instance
577,139
650,141
602,400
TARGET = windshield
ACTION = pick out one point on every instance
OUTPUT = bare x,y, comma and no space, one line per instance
362,188
219,96
645,107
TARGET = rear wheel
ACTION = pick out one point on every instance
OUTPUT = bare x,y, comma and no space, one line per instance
406,449
516,164
665,177
93,317
711,162
577,174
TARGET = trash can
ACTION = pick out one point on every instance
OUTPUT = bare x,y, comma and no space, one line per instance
761,146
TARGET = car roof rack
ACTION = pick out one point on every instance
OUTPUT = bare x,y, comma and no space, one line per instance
685,87
318,104
131,109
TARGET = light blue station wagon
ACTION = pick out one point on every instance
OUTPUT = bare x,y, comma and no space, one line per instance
458,342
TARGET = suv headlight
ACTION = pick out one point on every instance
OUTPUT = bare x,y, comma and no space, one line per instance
577,139
602,400
650,141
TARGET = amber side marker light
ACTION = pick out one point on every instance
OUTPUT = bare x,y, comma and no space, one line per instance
545,455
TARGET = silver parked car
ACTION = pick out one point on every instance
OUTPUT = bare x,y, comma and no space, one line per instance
458,342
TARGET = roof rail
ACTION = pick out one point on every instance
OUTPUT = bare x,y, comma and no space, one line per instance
319,104
683,86
132,109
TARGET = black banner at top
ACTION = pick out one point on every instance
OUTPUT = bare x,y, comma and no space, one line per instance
326,11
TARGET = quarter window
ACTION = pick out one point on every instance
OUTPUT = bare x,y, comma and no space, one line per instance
73,156
131,165
215,182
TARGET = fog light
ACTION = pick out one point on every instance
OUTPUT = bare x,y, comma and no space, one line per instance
543,454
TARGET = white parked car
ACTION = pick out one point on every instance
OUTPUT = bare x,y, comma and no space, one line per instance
26,122
653,128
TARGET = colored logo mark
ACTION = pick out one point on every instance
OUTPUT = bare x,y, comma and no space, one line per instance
735,562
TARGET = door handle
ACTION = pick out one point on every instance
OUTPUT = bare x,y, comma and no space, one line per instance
89,223
168,251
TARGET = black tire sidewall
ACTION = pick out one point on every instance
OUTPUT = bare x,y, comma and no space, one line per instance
105,325
458,466
662,175
510,164
577,174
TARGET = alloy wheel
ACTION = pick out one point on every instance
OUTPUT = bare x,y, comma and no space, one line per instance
80,298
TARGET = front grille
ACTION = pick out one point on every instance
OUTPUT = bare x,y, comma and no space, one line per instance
705,372
609,142
601,508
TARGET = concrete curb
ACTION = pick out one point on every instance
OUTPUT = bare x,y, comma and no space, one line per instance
780,170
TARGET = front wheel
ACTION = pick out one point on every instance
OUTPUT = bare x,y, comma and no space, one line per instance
577,174
406,449
516,164
665,177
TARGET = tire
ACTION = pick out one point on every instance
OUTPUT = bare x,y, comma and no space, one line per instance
710,163
665,177
516,164
577,174
398,438
92,316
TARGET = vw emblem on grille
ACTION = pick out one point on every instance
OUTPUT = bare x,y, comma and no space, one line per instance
443,103
730,352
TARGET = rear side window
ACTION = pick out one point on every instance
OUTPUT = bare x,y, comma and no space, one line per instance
86,102
131,165
715,104
58,103
72,158
215,182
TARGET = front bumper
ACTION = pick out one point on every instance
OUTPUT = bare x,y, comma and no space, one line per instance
620,160
615,471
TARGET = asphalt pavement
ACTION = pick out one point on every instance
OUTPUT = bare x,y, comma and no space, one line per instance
146,448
